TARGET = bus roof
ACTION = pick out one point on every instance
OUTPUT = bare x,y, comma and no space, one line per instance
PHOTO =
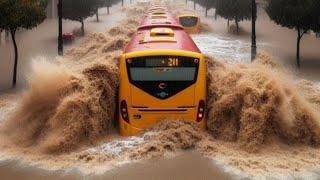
146,39
153,20
161,33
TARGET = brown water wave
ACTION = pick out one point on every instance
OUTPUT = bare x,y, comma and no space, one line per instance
69,106
72,103
250,102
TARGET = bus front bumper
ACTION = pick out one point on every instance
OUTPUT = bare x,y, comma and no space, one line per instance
127,129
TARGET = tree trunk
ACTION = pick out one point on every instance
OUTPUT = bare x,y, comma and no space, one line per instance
228,23
13,36
298,47
108,10
97,14
253,31
207,8
0,36
82,27
215,15
60,40
237,25
122,3
207,11
194,4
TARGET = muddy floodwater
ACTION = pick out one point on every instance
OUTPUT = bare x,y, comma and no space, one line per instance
263,117
187,165
226,49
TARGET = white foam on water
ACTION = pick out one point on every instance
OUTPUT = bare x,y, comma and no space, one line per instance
235,172
7,110
117,147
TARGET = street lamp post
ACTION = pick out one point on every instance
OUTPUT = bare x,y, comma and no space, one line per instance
253,32
60,40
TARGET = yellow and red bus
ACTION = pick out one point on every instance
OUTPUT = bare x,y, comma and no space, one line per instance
190,22
162,76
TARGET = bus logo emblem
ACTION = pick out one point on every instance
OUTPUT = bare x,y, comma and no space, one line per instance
163,94
163,85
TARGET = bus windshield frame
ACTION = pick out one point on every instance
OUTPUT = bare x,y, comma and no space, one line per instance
190,64
163,88
182,18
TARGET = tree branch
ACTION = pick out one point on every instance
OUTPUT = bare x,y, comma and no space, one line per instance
304,32
13,31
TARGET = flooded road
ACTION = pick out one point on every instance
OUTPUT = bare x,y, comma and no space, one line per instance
41,42
187,166
275,39
224,48
221,45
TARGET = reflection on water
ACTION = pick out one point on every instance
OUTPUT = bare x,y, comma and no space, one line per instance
14,170
224,48
188,165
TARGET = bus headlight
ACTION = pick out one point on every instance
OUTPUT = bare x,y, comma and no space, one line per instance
201,110
124,111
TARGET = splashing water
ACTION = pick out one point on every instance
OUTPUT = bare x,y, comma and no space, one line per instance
117,147
248,103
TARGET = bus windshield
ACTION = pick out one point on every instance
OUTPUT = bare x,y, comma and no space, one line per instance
163,68
188,21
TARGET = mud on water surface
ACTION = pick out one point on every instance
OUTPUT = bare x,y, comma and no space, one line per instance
73,102
249,103
252,108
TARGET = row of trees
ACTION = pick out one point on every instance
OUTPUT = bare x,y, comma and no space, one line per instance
232,10
27,14
301,15
15,14
78,10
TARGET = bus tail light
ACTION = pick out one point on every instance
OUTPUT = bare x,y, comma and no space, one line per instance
124,111
201,111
